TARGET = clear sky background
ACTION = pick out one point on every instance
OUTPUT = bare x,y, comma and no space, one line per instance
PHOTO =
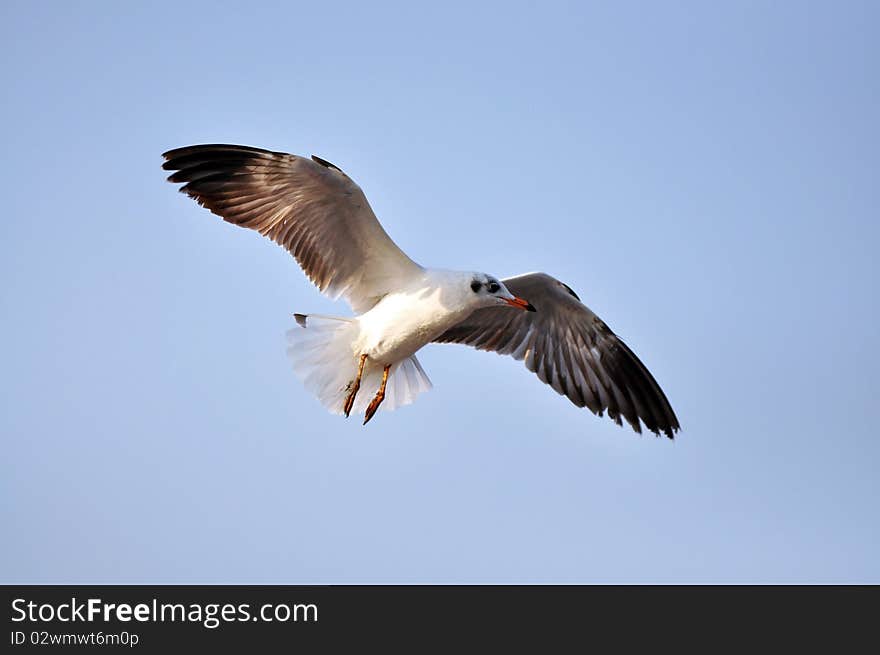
704,175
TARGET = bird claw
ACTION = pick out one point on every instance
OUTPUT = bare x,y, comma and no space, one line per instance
354,385
378,398
373,407
349,401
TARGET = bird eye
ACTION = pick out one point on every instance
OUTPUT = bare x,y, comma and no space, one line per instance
493,287
475,286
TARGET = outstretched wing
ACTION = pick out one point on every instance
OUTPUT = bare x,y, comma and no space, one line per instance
308,206
570,348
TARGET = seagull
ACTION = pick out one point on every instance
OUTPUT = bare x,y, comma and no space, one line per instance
321,216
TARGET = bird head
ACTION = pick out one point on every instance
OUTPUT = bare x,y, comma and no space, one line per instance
489,291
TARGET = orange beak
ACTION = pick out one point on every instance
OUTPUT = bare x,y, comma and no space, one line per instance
520,304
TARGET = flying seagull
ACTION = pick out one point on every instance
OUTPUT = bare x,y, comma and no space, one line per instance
360,363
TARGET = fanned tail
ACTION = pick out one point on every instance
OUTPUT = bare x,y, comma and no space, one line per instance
322,351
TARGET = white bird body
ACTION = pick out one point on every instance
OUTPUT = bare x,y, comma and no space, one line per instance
422,307
316,212
408,319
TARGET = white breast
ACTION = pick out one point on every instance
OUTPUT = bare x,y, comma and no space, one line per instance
404,321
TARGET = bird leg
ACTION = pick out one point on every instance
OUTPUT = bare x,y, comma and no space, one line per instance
349,402
380,396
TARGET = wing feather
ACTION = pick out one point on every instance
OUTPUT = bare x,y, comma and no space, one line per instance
571,349
308,206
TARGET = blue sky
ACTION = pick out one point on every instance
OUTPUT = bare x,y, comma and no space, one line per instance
704,175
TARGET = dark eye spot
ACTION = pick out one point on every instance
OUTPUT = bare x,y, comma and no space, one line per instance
493,287
475,286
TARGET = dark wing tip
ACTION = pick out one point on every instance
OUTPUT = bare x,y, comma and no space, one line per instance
216,147
326,163
657,414
668,430
179,158
570,291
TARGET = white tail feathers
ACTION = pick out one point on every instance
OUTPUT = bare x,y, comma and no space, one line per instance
323,355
